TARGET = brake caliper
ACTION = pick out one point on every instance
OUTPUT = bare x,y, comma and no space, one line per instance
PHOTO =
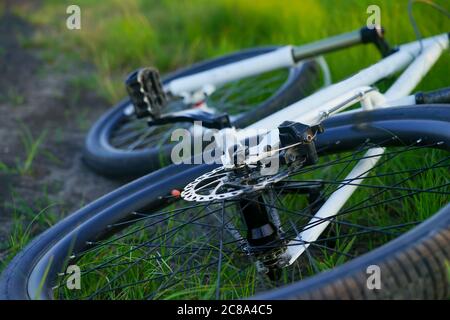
298,141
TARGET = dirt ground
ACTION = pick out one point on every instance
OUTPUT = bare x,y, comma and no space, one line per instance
45,99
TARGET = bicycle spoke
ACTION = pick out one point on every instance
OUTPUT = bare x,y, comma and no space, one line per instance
203,249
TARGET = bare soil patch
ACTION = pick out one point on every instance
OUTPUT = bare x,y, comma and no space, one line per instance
47,100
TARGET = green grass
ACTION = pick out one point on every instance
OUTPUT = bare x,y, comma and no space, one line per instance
13,96
32,146
129,264
28,218
119,36
447,265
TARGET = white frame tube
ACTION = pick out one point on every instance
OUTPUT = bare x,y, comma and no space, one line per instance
279,58
399,90
366,77
332,206
411,77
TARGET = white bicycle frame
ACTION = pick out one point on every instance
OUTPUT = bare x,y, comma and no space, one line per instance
415,57
343,95
283,57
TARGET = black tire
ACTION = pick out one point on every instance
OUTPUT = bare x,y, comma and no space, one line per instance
413,265
104,158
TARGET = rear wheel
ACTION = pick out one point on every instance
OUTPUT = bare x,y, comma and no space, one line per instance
141,242
120,145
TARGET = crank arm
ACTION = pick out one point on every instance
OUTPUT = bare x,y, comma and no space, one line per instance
207,119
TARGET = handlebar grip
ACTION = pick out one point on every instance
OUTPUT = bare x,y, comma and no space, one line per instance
438,96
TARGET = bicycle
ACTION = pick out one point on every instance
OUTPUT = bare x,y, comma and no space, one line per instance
247,86
228,231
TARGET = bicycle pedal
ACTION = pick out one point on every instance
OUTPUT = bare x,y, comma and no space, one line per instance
146,92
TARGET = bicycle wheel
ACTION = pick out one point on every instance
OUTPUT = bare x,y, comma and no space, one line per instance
142,242
120,145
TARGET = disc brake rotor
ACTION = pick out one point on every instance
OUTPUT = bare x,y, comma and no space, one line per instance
297,149
222,183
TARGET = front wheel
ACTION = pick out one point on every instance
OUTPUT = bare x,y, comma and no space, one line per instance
120,145
142,242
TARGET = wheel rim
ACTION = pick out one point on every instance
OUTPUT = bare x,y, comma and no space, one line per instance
335,248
